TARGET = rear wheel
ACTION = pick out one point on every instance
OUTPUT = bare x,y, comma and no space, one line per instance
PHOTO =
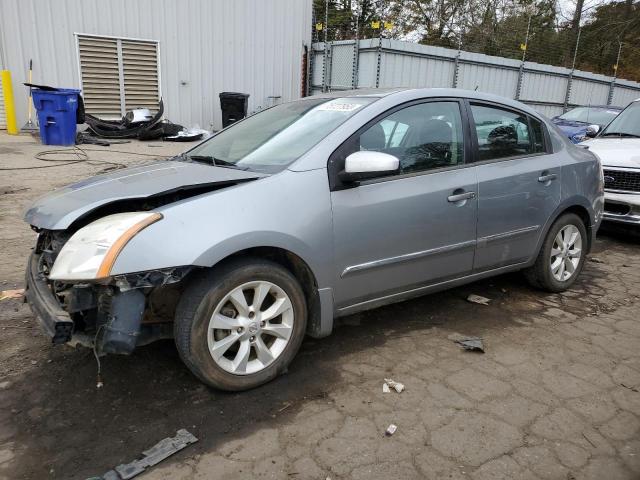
240,325
562,255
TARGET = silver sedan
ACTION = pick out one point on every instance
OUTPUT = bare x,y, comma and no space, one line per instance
308,211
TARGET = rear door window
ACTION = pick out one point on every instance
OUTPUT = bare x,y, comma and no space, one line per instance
504,133
537,134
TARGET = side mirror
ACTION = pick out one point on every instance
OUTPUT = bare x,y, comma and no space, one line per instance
592,130
368,164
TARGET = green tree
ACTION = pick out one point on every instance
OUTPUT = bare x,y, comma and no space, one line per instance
611,25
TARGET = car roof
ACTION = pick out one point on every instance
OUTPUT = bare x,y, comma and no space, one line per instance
417,93
604,107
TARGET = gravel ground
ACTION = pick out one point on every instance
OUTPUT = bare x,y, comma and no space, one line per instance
555,396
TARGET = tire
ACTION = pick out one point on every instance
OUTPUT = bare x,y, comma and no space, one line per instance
199,336
541,274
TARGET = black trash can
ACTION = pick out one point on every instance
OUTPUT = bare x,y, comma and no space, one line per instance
234,107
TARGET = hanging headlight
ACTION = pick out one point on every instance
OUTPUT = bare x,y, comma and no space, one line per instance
91,252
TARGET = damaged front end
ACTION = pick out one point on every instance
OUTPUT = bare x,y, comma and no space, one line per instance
71,283
112,315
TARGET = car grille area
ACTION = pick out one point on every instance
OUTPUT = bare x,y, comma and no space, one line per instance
622,180
617,208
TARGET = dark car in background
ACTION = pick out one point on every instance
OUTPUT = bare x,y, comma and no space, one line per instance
576,122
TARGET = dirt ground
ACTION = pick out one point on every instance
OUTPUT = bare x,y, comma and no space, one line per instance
555,396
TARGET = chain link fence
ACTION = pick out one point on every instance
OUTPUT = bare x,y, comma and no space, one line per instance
363,44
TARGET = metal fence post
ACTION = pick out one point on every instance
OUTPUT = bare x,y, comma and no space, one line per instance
456,68
356,54
379,57
612,86
567,95
326,46
524,56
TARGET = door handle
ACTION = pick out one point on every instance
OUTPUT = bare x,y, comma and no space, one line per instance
547,178
461,196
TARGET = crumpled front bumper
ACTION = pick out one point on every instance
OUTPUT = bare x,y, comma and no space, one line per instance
54,320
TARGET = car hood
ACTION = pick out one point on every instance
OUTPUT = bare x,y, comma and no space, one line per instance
561,122
571,128
60,208
616,152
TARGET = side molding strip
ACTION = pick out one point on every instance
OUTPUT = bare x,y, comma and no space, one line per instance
405,258
501,236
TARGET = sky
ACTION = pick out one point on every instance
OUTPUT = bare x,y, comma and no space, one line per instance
567,7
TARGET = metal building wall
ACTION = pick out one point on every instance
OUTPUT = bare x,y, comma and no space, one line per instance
206,47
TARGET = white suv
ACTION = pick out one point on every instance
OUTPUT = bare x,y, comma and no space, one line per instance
618,145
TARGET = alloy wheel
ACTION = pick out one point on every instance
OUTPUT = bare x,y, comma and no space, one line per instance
566,253
250,327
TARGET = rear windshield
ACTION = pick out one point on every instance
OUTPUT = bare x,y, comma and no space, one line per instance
271,140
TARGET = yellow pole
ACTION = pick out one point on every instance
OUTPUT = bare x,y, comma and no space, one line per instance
9,107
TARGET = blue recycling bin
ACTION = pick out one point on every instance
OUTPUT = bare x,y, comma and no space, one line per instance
56,115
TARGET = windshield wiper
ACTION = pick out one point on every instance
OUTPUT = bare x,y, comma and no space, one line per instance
619,134
216,162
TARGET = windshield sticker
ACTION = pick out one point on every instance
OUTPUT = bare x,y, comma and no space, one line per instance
339,107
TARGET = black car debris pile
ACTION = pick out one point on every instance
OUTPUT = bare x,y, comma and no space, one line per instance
140,124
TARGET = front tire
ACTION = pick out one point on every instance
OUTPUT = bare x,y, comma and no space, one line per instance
239,325
562,255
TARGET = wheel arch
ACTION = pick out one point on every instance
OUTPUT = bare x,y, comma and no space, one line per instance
317,307
577,206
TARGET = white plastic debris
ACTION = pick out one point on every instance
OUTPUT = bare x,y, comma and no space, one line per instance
385,388
391,429
152,456
397,386
480,300
596,260
473,344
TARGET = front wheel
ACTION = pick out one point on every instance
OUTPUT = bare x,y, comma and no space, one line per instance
239,325
562,255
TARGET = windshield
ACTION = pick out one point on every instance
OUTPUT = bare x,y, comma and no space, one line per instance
627,124
271,140
590,115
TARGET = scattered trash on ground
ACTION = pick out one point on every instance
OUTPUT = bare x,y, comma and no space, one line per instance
391,429
389,383
473,344
6,294
188,135
595,260
159,452
478,299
